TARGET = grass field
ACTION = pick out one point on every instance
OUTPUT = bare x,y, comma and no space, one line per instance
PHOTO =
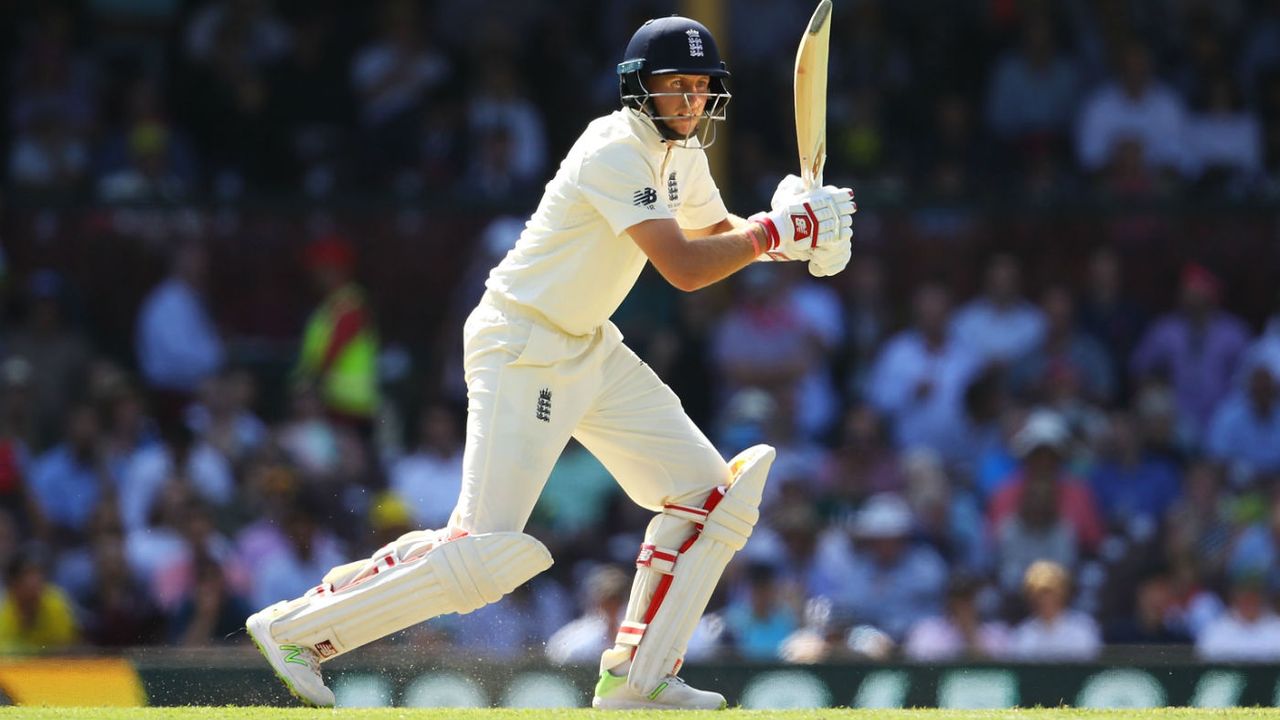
271,713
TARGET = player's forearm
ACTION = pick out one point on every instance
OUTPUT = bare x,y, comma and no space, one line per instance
713,258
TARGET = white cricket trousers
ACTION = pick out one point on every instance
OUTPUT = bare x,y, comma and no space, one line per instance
530,387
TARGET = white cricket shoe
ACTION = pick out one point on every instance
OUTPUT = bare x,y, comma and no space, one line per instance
673,693
296,665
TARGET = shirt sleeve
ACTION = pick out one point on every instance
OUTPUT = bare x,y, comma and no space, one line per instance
703,206
619,183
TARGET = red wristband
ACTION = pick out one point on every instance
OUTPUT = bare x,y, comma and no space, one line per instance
770,231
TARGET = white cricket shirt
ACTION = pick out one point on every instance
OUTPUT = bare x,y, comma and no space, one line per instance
574,262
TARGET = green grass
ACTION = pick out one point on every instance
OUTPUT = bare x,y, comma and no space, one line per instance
269,713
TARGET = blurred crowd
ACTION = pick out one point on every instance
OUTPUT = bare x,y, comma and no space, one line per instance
1028,471
1043,101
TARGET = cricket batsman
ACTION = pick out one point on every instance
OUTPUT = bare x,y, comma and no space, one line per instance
543,363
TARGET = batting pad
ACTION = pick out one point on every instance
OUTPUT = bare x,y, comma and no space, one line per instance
722,530
455,576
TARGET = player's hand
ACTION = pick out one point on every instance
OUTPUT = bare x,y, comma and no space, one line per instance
830,258
789,189
796,227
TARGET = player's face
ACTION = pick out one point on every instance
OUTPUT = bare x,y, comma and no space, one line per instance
688,105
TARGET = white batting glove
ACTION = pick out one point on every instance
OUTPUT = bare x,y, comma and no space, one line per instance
829,259
789,189
806,222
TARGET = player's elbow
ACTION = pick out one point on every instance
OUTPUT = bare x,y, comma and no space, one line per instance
686,281
679,276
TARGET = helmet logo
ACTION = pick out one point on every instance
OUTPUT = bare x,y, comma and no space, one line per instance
695,42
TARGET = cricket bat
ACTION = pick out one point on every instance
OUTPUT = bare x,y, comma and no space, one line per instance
811,96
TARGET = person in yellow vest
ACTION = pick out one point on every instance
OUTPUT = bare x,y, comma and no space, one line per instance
340,344
35,615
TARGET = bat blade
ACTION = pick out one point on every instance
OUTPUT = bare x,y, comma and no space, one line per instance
811,95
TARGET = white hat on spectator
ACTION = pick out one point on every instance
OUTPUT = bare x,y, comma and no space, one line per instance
885,515
1044,428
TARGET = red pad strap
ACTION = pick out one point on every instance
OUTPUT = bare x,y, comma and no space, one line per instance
629,633
656,558
660,592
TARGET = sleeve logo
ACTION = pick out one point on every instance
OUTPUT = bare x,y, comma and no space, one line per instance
544,405
645,197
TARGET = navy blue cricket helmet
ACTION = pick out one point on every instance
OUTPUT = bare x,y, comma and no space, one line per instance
673,46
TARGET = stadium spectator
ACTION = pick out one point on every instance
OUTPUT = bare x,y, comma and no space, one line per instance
1054,631
1065,352
500,108
212,613
178,345
52,107
1223,139
1199,522
392,77
960,633
1041,447
181,458
1153,621
948,517
1248,631
1108,312
1000,325
261,36
518,627
764,343
605,598
1244,433
1036,531
761,620
339,353
1256,550
888,581
1033,90
867,320
1131,483
918,380
70,479
224,417
1196,348
35,615
304,550
578,493
55,353
429,478
118,611
1133,106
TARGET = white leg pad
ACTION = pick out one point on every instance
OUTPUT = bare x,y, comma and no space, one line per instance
421,576
692,574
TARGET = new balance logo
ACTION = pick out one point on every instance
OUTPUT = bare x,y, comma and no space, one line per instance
544,405
293,654
645,197
802,226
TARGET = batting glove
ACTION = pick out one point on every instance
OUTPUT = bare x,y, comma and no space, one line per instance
829,259
798,225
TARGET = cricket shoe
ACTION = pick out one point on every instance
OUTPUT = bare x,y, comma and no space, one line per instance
613,693
296,665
